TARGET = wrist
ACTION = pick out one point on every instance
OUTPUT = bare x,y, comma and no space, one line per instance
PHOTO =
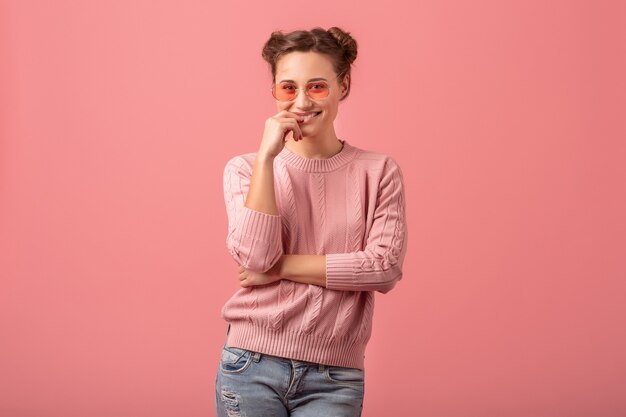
264,157
282,267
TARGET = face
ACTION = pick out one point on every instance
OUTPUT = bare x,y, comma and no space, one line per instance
300,68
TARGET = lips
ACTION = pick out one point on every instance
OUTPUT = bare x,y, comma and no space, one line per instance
310,116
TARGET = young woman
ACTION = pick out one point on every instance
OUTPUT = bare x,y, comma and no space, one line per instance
316,226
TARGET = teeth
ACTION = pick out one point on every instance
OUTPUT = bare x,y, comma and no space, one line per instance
309,116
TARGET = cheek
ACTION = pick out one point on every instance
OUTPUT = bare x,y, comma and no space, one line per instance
330,113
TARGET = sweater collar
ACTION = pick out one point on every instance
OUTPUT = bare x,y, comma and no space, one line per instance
345,155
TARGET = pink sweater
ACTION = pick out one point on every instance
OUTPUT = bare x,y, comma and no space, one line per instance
349,207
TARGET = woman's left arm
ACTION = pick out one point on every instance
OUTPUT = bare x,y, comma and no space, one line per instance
307,269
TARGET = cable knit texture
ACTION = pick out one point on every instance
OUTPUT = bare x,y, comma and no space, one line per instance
349,207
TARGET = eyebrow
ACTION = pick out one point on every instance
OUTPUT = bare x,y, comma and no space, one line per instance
312,79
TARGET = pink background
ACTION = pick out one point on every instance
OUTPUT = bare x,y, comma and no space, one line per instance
508,119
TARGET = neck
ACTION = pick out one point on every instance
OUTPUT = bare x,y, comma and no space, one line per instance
316,147
319,165
306,148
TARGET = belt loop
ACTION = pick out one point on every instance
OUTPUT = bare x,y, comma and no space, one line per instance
256,356
321,367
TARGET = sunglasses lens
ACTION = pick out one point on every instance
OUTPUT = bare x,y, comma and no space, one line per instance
317,90
288,92
284,92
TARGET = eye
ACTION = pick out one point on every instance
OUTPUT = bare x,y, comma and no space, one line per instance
317,86
286,86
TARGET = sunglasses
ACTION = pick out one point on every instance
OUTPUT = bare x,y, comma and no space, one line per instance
287,91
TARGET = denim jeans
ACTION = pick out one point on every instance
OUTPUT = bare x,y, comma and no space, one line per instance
253,384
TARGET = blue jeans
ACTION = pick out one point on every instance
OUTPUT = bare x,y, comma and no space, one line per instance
254,384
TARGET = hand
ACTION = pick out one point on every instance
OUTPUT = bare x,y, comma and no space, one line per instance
249,278
277,128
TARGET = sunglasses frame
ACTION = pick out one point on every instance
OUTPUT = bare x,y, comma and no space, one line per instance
305,92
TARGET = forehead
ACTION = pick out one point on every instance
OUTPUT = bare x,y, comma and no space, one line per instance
302,66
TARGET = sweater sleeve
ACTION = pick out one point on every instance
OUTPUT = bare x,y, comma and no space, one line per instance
254,238
379,266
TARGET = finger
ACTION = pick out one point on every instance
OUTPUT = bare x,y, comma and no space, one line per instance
295,119
287,113
291,121
295,128
288,123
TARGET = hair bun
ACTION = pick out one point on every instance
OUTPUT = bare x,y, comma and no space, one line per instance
336,44
345,41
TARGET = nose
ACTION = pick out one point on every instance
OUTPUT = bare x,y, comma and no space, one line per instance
302,100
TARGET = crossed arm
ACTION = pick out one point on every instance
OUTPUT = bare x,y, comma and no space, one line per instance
255,226
306,269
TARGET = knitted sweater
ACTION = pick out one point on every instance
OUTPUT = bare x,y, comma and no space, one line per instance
349,207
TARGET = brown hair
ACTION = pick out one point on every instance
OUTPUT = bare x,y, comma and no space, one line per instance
334,42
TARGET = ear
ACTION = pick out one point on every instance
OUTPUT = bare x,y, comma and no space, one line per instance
344,85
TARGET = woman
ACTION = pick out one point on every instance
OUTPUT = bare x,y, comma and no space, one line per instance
316,226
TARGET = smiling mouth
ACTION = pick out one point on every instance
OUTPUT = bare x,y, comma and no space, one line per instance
309,117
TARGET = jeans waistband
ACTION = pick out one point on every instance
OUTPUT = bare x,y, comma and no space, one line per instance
256,356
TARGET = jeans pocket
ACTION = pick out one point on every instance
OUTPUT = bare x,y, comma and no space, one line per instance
235,360
344,375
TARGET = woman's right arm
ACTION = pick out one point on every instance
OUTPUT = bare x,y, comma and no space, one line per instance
261,196
254,226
